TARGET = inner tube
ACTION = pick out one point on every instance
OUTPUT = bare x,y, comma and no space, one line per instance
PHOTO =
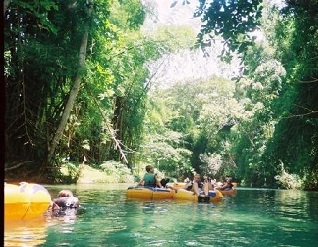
25,201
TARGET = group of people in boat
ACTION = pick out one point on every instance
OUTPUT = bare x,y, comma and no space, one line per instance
199,187
67,204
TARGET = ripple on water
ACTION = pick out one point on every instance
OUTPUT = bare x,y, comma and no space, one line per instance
252,218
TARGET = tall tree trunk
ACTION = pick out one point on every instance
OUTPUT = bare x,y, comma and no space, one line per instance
74,92
5,6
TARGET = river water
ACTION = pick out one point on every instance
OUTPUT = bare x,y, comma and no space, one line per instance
254,217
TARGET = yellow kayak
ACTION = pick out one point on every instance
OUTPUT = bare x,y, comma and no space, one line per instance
25,201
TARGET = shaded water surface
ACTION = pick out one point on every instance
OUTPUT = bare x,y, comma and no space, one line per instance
252,218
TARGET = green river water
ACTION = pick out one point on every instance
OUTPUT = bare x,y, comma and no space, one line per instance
254,217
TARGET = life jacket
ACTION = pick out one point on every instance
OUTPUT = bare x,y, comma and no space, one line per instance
190,187
150,180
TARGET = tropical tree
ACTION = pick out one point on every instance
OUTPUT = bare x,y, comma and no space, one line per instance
287,118
53,50
277,87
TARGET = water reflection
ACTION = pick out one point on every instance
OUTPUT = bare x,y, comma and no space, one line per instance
262,218
32,232
292,205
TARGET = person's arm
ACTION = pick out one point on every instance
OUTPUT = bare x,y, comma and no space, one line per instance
207,185
224,186
196,189
210,186
187,185
53,206
141,182
158,181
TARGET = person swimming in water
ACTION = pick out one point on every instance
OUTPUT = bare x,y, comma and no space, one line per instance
64,204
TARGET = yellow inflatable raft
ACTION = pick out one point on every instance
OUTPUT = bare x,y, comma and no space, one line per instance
25,201
179,194
149,193
177,185
182,194
230,192
180,185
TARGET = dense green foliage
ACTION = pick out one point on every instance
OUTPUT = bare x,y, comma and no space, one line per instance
261,128
42,45
275,143
291,112
233,20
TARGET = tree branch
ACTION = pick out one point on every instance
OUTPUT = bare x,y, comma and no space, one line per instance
309,112
17,166
5,6
117,143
